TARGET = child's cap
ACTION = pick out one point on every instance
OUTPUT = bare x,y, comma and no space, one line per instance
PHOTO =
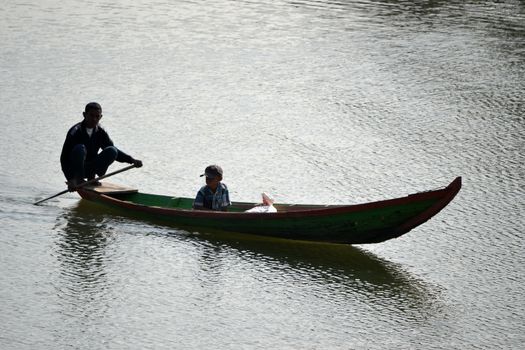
212,170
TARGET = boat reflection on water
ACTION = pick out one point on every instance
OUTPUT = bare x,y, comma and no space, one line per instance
337,269
80,249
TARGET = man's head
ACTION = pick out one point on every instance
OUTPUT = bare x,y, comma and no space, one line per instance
213,175
92,114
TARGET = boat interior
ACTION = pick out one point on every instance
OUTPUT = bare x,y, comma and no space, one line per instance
132,195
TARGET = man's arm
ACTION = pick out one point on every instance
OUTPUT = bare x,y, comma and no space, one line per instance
122,156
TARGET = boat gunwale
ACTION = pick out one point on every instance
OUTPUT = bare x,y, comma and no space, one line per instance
445,195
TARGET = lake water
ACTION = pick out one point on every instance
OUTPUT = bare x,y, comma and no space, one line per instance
313,101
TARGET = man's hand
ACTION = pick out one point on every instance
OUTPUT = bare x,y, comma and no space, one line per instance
137,163
70,186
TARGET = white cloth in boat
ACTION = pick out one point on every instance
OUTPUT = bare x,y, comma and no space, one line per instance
266,207
262,209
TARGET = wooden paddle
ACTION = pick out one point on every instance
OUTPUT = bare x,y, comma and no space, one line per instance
87,183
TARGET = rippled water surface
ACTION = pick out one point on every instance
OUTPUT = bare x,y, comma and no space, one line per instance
312,101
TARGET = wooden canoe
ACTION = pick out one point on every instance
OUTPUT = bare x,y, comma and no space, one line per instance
351,224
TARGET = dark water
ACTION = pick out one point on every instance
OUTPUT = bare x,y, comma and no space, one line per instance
312,101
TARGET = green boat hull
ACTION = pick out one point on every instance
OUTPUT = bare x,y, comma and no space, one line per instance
351,224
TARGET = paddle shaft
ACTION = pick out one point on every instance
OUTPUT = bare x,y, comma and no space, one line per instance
87,183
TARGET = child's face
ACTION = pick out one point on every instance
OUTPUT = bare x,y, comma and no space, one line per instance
213,183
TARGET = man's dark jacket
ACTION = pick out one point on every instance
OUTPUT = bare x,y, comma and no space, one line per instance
99,140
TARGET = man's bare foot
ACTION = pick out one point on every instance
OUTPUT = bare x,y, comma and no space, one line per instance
73,184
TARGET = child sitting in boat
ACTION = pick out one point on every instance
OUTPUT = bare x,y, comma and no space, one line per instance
265,207
215,195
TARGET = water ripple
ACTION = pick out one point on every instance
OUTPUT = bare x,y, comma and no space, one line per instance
315,101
